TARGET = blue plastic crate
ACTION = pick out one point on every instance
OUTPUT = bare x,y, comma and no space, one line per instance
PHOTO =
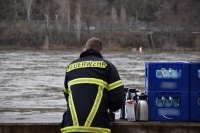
194,105
167,76
168,106
194,76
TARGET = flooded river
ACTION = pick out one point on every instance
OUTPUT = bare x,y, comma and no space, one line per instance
31,81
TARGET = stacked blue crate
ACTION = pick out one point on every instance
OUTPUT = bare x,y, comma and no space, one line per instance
168,106
194,91
158,77
167,86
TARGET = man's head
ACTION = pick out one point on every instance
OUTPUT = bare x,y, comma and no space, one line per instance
93,43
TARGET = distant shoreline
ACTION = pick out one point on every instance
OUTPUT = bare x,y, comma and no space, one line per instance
79,48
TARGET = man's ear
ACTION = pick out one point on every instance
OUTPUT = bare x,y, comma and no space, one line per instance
101,51
84,49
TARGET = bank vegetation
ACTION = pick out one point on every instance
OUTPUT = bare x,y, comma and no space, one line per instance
165,25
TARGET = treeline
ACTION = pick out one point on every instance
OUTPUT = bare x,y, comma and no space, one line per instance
164,24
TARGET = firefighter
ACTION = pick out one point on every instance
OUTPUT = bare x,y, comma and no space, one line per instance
92,86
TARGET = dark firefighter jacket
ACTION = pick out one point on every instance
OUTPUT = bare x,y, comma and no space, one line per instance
92,86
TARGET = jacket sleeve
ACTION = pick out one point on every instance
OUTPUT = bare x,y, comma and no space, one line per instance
65,87
115,90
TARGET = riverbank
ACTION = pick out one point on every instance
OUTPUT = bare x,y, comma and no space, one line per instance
80,47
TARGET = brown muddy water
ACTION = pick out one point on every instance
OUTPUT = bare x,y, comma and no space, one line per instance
31,81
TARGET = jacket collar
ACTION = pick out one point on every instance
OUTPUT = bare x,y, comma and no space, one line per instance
89,52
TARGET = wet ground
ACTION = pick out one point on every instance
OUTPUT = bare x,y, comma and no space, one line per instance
31,81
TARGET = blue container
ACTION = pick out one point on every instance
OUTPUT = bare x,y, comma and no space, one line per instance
168,106
166,76
194,76
195,106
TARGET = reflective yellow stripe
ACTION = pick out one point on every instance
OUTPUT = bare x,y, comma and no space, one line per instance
102,84
88,81
95,107
85,64
115,85
85,129
72,109
65,90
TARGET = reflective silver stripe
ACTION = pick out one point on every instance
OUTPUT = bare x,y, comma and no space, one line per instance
85,129
115,85
88,81
95,107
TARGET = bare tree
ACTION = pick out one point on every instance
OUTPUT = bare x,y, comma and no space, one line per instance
63,12
78,20
164,8
27,5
